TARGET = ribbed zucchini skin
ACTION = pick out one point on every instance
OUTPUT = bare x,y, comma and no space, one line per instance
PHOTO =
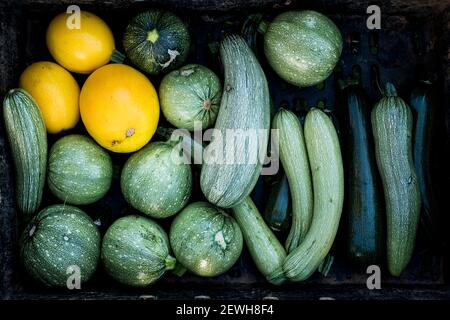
58,237
245,105
363,201
424,104
265,249
296,165
392,130
325,160
27,138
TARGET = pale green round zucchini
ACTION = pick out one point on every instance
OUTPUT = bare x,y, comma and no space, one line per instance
302,47
135,251
190,95
205,239
79,170
157,180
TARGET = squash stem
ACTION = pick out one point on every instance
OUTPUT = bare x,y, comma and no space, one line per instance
390,90
277,277
325,265
117,57
152,35
170,262
179,270
263,26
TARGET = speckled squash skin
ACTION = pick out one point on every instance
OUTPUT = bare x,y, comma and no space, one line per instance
205,240
156,41
156,181
392,130
302,47
190,94
244,109
79,170
58,237
135,251
27,137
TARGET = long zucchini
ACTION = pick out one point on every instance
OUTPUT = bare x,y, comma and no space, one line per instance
27,138
244,112
325,160
363,201
295,163
424,104
392,130
265,249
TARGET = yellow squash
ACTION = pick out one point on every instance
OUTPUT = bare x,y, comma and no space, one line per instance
83,49
119,108
55,91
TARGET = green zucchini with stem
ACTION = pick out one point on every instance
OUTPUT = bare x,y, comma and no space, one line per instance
363,201
392,130
27,138
424,104
294,159
322,145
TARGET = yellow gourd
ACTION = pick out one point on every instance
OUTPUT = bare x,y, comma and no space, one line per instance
119,107
83,49
55,91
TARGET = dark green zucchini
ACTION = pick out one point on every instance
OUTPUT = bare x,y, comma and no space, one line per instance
363,201
424,104
277,212
27,137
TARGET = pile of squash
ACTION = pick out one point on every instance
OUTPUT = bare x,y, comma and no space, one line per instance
119,108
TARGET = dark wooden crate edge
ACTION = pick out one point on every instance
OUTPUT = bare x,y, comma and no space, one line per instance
306,293
9,39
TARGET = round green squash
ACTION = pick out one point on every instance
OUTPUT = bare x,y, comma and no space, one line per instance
56,241
156,41
135,251
205,240
79,170
157,180
302,47
189,94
